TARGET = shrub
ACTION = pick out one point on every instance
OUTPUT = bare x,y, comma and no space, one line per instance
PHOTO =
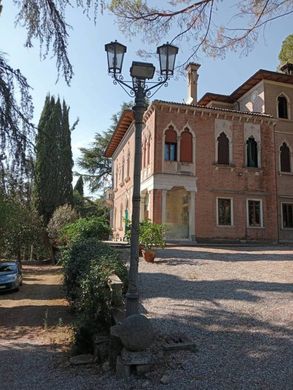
87,267
151,235
62,216
84,228
77,259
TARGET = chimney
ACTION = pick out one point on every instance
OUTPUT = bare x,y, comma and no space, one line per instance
192,77
287,68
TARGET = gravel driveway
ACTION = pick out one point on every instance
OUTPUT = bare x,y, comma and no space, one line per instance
236,304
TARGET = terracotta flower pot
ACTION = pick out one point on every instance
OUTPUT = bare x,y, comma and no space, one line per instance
148,255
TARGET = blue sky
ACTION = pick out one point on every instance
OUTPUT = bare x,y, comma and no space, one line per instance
92,96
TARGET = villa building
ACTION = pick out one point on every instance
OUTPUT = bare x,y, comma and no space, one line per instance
215,169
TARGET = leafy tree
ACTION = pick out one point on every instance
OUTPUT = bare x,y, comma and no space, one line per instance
16,129
199,22
20,228
45,22
54,163
93,161
286,53
62,216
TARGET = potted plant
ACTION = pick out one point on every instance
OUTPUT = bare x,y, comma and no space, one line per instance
151,236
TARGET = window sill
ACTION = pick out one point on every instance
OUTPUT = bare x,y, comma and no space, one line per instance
285,119
225,226
224,166
255,227
285,173
287,229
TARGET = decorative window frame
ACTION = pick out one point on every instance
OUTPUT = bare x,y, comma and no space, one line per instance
224,126
186,127
282,219
261,213
291,157
164,141
232,211
288,106
252,130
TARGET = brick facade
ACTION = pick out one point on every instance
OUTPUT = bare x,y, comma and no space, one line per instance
189,190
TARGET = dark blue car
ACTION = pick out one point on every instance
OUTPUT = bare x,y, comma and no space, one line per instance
10,275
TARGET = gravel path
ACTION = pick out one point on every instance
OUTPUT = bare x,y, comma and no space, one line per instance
236,304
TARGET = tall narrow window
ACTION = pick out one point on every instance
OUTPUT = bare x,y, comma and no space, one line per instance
186,146
287,214
251,146
148,152
285,158
224,212
127,164
223,149
122,170
282,107
116,177
254,213
170,144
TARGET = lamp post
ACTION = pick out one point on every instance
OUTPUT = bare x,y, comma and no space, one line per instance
139,88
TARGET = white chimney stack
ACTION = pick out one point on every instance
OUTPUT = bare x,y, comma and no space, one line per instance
192,77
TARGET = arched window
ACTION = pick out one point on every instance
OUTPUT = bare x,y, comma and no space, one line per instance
251,147
282,107
116,177
285,158
186,146
122,170
170,144
128,164
121,217
223,149
144,162
148,152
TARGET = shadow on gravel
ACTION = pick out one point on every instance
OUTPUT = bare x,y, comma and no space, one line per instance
158,285
235,351
174,256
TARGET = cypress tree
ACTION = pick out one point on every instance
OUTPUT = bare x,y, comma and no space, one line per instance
53,187
66,162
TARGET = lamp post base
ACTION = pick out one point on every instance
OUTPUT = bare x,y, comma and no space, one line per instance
131,303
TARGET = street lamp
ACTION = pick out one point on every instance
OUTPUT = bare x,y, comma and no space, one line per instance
138,88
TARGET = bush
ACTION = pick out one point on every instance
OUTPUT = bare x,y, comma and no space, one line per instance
77,260
84,228
87,267
62,216
151,235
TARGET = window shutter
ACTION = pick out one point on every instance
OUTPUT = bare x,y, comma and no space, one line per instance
186,147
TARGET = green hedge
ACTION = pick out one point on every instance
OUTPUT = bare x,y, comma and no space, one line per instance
87,267
84,228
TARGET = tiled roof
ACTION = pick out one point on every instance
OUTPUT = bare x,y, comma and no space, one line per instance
125,121
247,85
201,107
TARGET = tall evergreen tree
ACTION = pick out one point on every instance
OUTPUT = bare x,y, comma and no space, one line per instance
53,168
79,186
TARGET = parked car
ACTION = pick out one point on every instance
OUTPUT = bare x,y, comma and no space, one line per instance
10,275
